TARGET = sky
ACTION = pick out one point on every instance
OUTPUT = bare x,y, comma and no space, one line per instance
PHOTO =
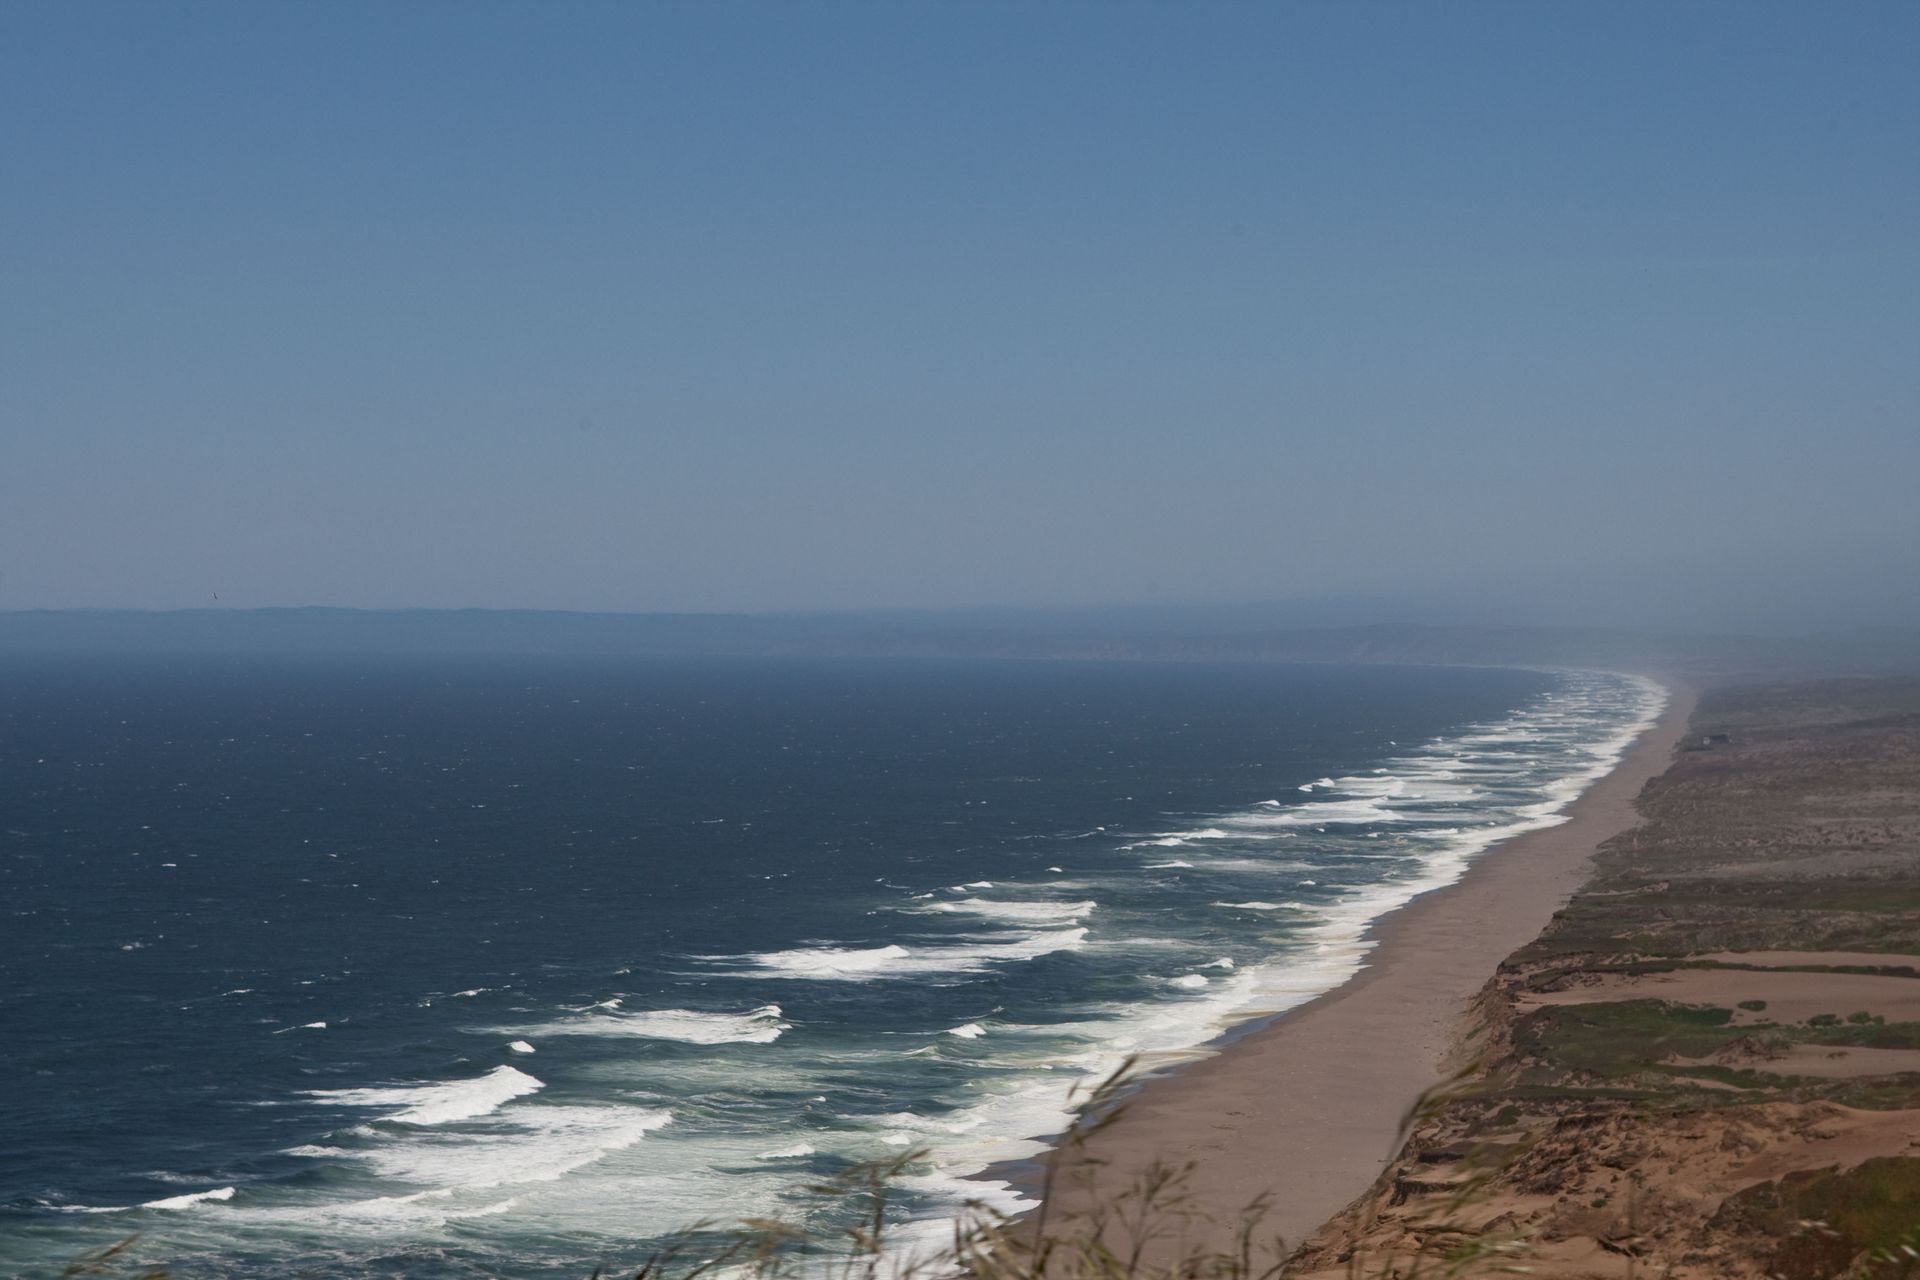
1561,313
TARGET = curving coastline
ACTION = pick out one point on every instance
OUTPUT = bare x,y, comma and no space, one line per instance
1306,1108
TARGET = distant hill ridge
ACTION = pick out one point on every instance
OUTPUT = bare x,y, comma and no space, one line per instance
506,631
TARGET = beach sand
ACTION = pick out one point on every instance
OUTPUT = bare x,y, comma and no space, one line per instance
1307,1109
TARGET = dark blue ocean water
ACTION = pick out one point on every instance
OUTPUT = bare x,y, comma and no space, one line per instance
429,967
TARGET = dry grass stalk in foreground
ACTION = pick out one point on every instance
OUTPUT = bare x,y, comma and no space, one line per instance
1140,1232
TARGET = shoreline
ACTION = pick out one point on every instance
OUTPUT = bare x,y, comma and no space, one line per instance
1305,1106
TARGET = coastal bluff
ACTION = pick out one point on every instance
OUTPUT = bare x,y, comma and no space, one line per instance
1708,1064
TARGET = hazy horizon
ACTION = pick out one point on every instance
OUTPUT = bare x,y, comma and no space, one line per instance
1374,314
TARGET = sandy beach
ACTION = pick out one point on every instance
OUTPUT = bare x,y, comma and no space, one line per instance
1307,1109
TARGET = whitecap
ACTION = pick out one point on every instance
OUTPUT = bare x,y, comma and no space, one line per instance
532,1144
689,1026
862,964
1035,913
1321,813
429,1104
191,1199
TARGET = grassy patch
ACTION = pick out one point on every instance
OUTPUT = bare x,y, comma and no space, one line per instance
1735,1077
1622,1038
1892,1035
1872,1206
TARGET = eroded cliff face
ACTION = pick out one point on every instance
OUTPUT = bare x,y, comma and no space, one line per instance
1709,1064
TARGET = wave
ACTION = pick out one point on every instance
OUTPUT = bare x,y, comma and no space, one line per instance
187,1201
431,1104
1033,913
688,1026
539,1144
1176,839
856,964
460,1173
1322,813
192,1198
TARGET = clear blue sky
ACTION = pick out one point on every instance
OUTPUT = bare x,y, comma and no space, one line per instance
1571,308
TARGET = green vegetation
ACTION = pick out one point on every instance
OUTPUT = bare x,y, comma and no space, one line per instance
1632,1042
1617,1040
1872,1207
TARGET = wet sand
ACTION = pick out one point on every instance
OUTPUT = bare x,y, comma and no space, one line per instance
1307,1109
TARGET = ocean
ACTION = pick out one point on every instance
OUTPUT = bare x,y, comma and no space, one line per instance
510,966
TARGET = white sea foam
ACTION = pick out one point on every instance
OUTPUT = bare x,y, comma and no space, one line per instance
689,1026
1034,913
520,1046
856,964
539,1144
430,1104
461,1171
971,1031
1321,813
1332,942
191,1199
1331,945
553,1164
